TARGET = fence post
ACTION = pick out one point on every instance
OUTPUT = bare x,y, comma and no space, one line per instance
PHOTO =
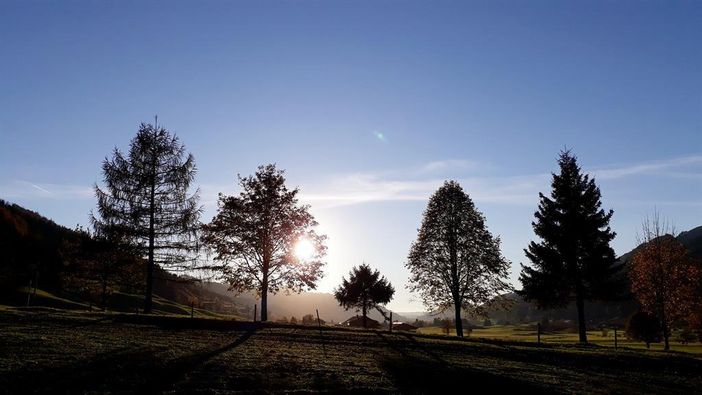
615,337
255,306
319,322
29,291
538,333
391,321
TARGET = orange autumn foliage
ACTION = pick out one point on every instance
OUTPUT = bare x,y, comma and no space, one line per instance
665,280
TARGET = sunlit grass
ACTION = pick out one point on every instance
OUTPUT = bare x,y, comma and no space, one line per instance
526,333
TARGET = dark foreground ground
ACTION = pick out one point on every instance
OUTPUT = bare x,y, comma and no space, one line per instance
59,352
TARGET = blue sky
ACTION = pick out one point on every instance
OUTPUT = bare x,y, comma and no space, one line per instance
486,93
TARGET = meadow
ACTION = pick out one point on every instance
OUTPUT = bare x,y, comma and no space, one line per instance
526,333
52,350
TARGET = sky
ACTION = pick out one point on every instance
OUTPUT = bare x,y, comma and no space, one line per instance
368,106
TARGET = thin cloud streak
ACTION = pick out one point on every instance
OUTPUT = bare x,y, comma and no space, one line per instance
22,189
369,188
648,168
412,185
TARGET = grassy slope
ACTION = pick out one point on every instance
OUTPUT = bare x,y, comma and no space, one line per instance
117,302
72,352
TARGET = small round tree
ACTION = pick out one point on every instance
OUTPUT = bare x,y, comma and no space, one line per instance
644,327
364,290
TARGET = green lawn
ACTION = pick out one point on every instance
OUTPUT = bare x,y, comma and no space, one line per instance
74,352
526,334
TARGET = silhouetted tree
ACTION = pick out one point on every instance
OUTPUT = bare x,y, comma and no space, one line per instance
664,277
254,236
308,319
644,327
455,261
364,290
146,201
573,260
31,249
96,266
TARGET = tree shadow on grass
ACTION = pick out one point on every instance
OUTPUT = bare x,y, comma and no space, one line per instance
132,370
418,370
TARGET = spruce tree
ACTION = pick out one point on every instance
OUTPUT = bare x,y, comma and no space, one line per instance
573,260
146,201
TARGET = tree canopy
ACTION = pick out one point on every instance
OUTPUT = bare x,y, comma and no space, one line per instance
664,278
364,290
254,236
455,261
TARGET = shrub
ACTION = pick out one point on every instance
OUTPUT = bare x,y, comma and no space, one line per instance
644,327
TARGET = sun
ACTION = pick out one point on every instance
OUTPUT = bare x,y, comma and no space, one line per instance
304,249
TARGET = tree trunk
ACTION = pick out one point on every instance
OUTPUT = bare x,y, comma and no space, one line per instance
103,299
365,315
666,337
264,305
582,329
152,235
264,296
459,322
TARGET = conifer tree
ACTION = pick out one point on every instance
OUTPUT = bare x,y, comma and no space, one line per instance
365,289
573,260
146,201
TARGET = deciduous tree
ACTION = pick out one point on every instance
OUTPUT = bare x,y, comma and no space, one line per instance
455,261
664,277
644,327
254,236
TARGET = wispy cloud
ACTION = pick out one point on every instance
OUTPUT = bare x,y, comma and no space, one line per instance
39,188
361,188
23,189
661,167
419,182
449,165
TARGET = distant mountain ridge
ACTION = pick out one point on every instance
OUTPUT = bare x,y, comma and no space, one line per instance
31,247
30,242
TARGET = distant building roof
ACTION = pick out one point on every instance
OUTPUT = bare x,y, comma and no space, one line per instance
357,322
402,326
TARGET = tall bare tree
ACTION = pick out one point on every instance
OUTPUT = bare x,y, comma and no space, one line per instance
455,261
254,236
146,200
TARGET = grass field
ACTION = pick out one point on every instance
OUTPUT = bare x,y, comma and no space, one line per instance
526,333
45,350
118,301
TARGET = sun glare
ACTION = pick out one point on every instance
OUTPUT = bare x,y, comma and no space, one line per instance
304,249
